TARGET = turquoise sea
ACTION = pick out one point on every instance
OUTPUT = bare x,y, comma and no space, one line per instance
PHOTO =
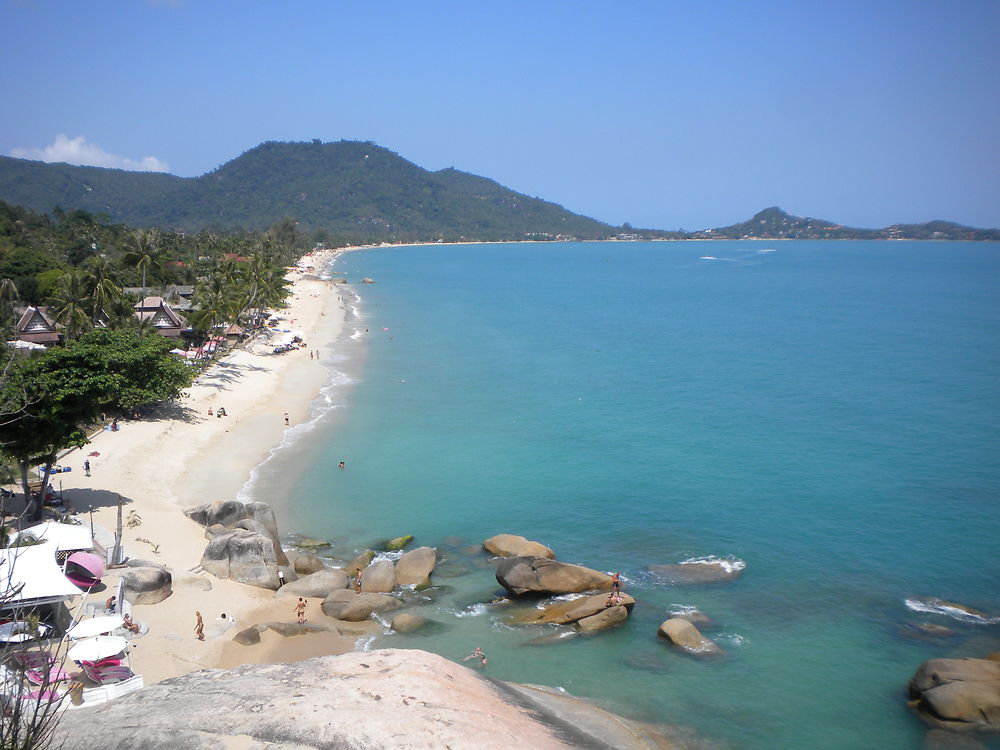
826,412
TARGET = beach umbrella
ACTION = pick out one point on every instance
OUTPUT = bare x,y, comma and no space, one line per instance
100,647
88,562
95,626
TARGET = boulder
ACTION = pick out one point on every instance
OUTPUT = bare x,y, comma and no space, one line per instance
709,570
696,618
304,564
352,607
229,513
686,636
311,543
360,562
511,545
389,698
315,585
405,622
214,530
414,568
243,556
540,575
562,613
252,525
248,636
379,577
958,693
603,620
398,543
146,585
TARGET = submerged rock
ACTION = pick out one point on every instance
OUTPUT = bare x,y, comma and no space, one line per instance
958,694
511,545
539,575
708,570
406,622
686,636
398,543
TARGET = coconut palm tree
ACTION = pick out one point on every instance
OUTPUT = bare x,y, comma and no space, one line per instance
71,304
101,286
144,251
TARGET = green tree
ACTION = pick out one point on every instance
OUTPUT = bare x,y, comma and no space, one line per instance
71,305
144,251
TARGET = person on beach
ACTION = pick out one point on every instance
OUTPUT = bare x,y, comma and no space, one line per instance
477,654
357,583
210,412
130,625
300,610
199,627
86,468
114,424
614,600
286,417
110,604
616,582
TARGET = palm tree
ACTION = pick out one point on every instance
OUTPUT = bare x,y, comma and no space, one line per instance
144,249
71,305
101,286
8,298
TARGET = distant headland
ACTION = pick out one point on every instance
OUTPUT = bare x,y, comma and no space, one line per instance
356,192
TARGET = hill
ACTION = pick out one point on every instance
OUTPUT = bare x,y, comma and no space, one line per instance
356,190
773,223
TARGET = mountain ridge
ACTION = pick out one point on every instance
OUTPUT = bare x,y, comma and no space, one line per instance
358,191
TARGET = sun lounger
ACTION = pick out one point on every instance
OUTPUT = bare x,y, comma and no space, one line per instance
34,659
50,696
41,677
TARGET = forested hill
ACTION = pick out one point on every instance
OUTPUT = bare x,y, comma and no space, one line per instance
352,190
773,223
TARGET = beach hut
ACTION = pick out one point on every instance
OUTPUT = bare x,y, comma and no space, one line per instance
37,327
161,315
32,583
68,538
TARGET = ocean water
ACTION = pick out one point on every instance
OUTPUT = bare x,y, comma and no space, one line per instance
826,413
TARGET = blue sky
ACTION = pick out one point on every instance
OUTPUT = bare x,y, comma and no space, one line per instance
663,114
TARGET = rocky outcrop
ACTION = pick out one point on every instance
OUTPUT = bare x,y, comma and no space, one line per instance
360,562
244,556
318,584
961,694
379,577
231,514
305,564
686,636
709,570
398,543
380,700
511,545
539,575
147,585
353,607
414,568
563,613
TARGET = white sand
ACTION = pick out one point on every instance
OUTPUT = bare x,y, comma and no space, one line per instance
159,466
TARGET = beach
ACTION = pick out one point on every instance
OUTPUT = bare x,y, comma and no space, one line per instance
180,457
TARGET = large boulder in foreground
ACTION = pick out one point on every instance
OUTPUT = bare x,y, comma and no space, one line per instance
414,568
961,694
539,575
512,545
686,636
147,585
244,556
691,572
318,584
230,513
353,607
381,699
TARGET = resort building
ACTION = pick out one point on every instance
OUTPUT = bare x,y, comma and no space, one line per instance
161,315
36,327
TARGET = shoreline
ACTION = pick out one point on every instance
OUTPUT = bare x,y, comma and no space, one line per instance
181,457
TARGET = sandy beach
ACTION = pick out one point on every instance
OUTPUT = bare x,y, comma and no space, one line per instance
182,457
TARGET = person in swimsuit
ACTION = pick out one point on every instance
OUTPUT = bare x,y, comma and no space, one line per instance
300,610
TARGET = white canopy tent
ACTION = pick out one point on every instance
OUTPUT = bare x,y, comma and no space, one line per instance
31,576
66,536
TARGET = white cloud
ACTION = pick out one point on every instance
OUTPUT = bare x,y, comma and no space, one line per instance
79,151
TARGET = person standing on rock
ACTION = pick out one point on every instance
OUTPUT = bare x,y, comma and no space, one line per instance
357,583
616,582
199,626
300,610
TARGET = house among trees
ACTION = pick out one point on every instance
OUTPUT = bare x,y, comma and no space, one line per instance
161,315
37,327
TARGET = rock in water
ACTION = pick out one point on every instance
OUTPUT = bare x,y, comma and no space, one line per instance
603,620
147,585
352,607
511,545
405,622
562,613
539,575
414,568
317,584
379,577
360,562
707,570
398,543
244,556
686,636
958,693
